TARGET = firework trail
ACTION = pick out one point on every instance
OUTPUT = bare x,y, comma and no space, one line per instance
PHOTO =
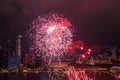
50,35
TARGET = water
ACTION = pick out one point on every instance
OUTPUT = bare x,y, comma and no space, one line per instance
24,76
59,75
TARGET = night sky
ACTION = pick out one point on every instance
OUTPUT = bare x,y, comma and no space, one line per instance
96,21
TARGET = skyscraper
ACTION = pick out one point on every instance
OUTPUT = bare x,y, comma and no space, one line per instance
19,45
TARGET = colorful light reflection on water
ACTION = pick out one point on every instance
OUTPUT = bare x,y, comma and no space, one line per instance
59,74
77,74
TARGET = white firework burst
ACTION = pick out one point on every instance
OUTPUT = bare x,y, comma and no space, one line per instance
51,34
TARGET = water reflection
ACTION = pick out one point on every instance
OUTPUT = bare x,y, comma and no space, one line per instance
59,74
76,74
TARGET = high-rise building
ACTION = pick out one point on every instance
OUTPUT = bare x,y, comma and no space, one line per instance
13,62
18,47
29,59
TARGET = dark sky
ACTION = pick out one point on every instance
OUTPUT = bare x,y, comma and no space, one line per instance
97,21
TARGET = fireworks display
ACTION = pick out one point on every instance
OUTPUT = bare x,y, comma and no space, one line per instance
50,35
75,45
